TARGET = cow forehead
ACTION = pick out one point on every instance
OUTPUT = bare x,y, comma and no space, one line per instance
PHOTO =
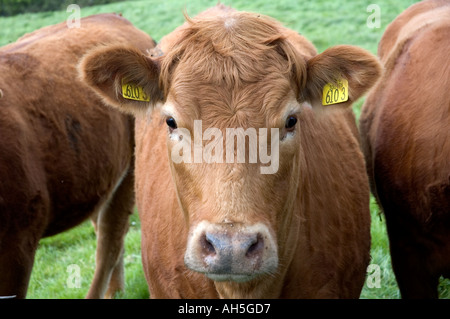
230,66
252,105
264,106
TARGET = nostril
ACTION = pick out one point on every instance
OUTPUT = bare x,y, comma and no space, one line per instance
207,245
256,247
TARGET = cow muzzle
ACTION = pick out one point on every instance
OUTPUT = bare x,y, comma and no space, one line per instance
231,251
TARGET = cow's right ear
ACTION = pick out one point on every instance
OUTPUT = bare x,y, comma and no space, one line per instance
123,77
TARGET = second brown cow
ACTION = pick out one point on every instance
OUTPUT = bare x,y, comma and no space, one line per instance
63,156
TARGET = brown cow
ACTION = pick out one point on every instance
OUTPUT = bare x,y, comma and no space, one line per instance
216,226
405,131
63,157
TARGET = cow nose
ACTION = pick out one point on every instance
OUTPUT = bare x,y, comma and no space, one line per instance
225,253
231,251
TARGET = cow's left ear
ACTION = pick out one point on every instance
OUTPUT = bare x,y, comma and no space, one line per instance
123,77
340,75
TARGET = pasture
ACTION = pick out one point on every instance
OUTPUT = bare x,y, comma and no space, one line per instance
64,264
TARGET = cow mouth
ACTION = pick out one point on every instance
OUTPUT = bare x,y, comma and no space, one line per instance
231,277
227,275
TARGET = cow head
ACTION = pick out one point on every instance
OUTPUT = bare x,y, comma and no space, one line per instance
232,90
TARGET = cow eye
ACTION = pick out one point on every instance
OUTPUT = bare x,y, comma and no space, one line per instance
171,123
290,123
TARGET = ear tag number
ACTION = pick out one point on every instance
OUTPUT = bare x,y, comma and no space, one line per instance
134,92
333,94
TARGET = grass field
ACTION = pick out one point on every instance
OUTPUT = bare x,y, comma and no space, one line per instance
324,22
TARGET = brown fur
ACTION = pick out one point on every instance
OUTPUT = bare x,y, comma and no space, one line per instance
63,157
405,134
237,69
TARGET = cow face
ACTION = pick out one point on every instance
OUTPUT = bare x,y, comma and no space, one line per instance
232,178
232,91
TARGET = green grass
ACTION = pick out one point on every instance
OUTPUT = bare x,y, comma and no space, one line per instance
324,22
77,247
380,256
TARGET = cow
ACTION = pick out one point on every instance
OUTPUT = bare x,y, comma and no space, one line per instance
63,156
405,134
219,224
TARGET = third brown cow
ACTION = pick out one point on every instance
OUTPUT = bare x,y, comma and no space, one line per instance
405,129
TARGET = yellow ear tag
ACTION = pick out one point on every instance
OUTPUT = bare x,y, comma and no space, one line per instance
134,92
333,94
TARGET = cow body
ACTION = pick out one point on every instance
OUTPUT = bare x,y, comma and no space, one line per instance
318,266
56,143
225,229
406,140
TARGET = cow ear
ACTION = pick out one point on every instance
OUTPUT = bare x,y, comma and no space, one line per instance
123,77
339,76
